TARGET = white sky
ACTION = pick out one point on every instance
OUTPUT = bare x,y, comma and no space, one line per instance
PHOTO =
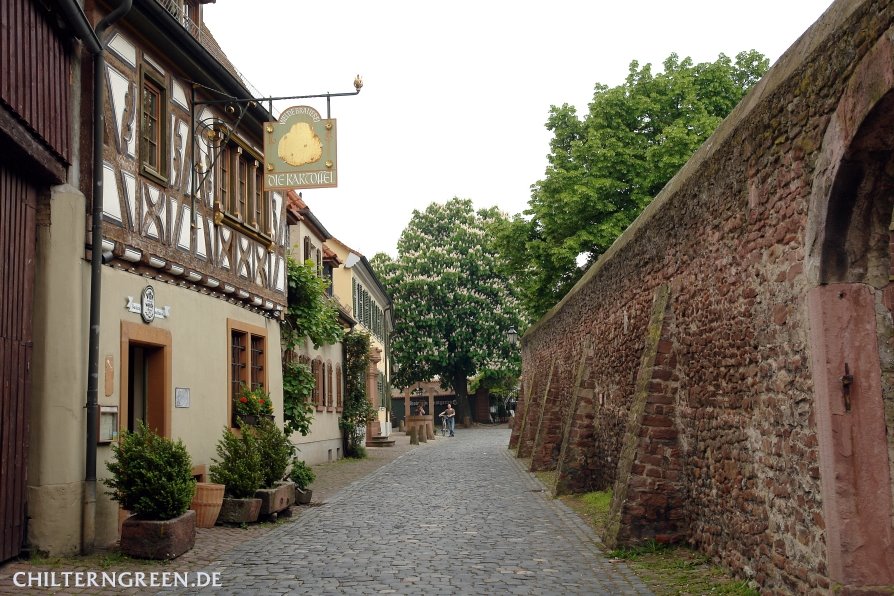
456,94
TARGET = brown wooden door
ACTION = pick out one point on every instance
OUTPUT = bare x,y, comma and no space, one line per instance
18,204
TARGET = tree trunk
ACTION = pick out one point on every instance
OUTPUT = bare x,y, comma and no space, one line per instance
463,408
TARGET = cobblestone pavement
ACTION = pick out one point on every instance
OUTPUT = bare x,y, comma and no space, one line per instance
451,516
458,516
211,543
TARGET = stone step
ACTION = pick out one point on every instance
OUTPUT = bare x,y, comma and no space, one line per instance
380,442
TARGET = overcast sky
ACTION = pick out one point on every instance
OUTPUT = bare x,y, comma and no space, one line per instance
456,94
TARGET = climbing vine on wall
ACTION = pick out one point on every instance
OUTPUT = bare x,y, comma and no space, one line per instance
310,314
357,410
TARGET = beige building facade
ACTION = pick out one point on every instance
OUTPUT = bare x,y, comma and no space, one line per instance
323,443
359,290
192,281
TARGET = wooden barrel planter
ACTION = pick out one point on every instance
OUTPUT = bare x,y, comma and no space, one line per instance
207,503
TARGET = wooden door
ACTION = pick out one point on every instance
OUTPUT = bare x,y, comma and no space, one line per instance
18,204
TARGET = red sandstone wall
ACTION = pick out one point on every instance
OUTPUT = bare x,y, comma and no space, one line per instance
728,237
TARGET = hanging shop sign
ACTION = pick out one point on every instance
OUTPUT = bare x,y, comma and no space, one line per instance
299,151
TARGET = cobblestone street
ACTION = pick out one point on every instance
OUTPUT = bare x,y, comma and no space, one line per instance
450,517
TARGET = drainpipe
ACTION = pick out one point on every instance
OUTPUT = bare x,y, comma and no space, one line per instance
386,343
92,38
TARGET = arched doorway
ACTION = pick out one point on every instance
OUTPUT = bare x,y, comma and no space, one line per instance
850,305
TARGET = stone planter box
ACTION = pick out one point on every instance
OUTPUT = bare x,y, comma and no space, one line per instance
302,496
153,539
274,500
239,511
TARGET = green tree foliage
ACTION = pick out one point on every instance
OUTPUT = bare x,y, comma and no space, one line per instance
357,411
453,305
151,475
603,170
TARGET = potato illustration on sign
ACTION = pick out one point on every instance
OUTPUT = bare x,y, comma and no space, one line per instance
300,145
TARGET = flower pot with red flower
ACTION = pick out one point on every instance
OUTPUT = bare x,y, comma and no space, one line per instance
251,405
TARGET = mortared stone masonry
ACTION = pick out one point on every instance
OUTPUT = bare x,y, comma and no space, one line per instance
727,367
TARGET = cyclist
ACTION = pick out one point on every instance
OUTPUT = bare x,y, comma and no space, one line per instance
448,416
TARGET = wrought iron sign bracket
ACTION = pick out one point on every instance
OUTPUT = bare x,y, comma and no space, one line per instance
219,134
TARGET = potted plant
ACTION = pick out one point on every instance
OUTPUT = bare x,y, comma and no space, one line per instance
251,405
238,468
275,451
302,475
152,478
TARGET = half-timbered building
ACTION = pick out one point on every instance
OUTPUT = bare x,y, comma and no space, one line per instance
191,288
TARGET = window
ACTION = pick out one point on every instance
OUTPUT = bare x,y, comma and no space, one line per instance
339,396
223,183
153,125
302,359
327,273
241,198
248,359
329,388
317,369
189,14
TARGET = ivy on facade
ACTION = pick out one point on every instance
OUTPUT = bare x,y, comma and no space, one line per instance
310,314
358,410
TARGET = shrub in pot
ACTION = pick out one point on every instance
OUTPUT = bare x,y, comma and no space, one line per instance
152,478
275,451
238,468
302,475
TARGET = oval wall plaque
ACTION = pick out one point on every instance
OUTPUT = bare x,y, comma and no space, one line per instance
147,304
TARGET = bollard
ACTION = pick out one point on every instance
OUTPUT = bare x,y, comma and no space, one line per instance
401,427
414,440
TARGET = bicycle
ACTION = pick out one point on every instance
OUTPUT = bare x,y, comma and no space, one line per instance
444,429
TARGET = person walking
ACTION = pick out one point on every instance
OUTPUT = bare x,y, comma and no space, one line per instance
450,416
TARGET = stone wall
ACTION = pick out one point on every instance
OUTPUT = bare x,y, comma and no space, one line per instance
702,417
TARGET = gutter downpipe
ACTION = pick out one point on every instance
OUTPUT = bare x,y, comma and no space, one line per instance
92,38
